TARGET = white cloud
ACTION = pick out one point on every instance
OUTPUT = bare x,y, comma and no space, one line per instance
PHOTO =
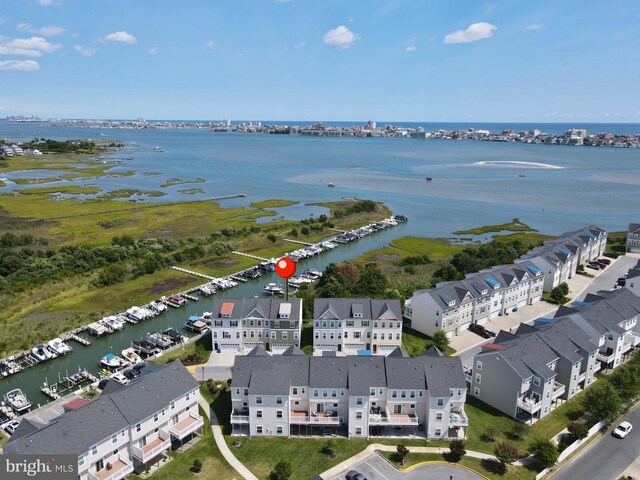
85,52
122,36
473,33
300,45
210,45
28,47
154,51
410,48
23,65
48,3
340,37
533,26
46,31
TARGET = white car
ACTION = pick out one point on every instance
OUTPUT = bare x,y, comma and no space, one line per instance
11,426
622,430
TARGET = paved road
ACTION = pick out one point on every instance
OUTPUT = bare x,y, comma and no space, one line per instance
609,276
607,457
376,468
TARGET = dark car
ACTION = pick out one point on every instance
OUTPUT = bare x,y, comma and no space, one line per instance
353,475
132,373
622,281
611,255
480,330
606,261
595,266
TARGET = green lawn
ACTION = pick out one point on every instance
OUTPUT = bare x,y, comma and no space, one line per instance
480,417
411,246
514,225
273,203
617,242
555,422
486,468
213,463
415,343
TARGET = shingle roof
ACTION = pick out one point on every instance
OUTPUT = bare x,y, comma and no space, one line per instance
255,307
344,308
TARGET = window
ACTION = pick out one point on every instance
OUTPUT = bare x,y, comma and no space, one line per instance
94,450
259,400
138,428
114,438
259,429
334,393
258,413
325,393
279,429
295,390
155,417
295,335
359,401
412,394
403,394
279,414
372,391
536,381
438,432
285,335
237,392
81,460
440,402
316,393
278,400
478,377
358,430
394,394
273,335
359,414
439,416
479,365
476,391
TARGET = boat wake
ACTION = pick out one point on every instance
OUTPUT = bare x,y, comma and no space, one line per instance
516,164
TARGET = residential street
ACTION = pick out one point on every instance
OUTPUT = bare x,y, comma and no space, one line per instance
607,457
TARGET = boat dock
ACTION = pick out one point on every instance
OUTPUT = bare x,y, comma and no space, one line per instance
189,296
73,336
191,272
238,278
306,244
250,256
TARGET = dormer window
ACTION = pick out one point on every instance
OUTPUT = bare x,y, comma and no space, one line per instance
226,310
284,310
356,310
452,303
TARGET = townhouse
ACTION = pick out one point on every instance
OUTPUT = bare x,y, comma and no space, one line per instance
527,373
632,282
123,431
241,324
351,324
633,238
452,307
356,396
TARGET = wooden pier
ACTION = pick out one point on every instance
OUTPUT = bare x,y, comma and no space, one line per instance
307,244
80,340
238,278
196,274
250,256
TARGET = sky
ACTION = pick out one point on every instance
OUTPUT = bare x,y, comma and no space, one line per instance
403,60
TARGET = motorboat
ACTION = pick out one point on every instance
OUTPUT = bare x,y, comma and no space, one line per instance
207,289
17,400
144,347
41,353
195,324
331,185
173,334
159,340
273,289
112,361
120,378
59,347
131,356
111,322
313,273
159,307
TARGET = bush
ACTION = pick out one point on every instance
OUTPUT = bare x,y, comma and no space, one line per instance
197,466
305,231
272,237
545,453
441,340
506,453
578,430
282,471
518,431
457,450
490,434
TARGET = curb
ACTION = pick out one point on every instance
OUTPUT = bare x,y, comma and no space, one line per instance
420,464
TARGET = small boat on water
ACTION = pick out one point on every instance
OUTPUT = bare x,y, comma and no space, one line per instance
159,340
273,289
59,347
331,185
522,176
130,355
429,179
41,353
17,400
195,324
112,361
173,334
144,347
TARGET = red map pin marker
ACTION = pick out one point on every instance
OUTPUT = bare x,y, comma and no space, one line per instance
285,267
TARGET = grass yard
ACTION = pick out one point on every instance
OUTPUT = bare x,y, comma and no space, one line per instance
514,225
415,343
617,242
484,467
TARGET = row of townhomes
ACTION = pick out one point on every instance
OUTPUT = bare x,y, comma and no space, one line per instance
125,429
344,325
527,373
355,396
452,307
633,238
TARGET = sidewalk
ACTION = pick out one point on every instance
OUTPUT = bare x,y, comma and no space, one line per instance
222,445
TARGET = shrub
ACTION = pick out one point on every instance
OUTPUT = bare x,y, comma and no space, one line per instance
197,466
282,471
506,453
490,434
545,453
272,237
457,450
578,430
441,340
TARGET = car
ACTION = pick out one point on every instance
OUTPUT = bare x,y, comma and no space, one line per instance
611,255
622,281
595,266
606,261
12,426
602,265
480,330
622,430
354,475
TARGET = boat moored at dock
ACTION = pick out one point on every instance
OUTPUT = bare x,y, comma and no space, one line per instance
59,347
17,400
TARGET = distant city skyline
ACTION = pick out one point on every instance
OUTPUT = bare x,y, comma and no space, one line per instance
398,60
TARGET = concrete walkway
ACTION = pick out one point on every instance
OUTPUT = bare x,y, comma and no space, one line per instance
222,445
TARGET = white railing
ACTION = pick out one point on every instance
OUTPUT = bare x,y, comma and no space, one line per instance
597,367
582,377
238,418
193,426
558,389
605,357
123,471
463,421
145,453
325,420
529,405
298,419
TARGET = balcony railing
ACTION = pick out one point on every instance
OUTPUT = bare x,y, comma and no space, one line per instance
582,377
529,404
626,347
186,426
632,337
558,389
153,448
240,417
605,357
117,468
298,417
596,367
458,418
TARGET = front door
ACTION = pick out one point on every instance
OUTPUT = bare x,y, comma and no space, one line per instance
397,409
339,347
99,465
320,408
375,348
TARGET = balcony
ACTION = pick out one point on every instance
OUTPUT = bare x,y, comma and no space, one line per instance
632,337
186,426
298,417
606,357
596,367
115,469
529,404
582,377
240,416
626,347
325,418
153,448
558,389
458,418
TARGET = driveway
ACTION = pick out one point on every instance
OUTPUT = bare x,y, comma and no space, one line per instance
377,468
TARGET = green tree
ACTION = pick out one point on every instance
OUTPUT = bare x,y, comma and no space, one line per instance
559,293
282,471
456,449
371,283
328,448
578,430
545,452
294,232
304,230
602,402
506,453
626,380
272,237
197,466
441,340
401,452
519,430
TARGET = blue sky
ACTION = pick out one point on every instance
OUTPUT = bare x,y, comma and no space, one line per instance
405,60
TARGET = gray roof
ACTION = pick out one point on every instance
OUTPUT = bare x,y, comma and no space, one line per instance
26,427
344,308
633,227
292,351
250,307
76,431
328,372
366,372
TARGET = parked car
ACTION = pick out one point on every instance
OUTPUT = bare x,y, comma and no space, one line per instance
602,265
353,475
480,330
12,426
594,266
611,255
606,261
622,430
621,282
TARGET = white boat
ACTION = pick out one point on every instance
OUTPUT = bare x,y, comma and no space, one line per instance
41,353
273,289
17,400
112,361
59,347
111,323
331,185
313,273
159,340
131,356
159,307
120,378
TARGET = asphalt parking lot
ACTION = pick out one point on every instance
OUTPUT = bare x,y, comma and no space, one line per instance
377,468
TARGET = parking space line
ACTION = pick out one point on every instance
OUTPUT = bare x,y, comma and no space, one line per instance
376,470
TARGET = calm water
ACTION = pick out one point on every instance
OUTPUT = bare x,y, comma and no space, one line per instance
593,185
